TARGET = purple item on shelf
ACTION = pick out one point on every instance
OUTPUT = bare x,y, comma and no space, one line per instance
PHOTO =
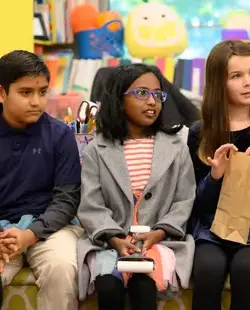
234,34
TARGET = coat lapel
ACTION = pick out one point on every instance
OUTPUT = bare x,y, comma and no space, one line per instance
114,158
164,153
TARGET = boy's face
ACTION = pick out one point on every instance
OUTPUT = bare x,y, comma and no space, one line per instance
25,101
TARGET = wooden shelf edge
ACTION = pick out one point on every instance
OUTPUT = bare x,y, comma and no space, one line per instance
51,43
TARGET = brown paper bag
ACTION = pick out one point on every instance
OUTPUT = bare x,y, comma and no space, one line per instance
232,218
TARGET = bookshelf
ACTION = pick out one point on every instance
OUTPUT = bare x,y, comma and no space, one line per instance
69,73
46,43
56,18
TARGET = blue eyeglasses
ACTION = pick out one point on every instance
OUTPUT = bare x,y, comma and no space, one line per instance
144,94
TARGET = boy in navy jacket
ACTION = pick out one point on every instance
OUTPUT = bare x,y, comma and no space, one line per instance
39,184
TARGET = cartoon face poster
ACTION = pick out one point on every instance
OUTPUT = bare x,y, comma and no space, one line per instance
184,29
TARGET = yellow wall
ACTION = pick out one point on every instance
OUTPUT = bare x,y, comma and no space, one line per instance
16,25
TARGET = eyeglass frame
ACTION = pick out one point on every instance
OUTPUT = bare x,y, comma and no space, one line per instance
150,93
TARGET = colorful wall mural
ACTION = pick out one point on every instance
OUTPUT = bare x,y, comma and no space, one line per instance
206,22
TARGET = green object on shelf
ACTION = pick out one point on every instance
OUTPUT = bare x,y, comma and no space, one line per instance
79,88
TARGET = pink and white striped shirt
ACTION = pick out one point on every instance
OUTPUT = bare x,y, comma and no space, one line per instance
139,154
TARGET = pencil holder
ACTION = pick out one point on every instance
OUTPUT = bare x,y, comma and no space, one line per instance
82,141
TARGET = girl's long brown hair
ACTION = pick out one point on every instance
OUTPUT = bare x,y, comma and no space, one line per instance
215,129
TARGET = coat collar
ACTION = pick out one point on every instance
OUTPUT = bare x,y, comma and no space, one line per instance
165,150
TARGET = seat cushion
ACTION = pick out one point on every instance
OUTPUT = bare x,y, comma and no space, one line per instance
24,277
182,302
21,294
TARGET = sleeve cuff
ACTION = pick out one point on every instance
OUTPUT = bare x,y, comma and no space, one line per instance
103,237
170,231
211,181
42,232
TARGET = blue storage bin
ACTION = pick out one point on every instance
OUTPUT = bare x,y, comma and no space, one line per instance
94,44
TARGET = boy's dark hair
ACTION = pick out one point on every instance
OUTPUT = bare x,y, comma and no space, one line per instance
18,64
111,120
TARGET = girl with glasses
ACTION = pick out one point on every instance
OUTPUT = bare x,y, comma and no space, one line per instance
135,172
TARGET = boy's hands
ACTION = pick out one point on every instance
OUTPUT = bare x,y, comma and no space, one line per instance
14,241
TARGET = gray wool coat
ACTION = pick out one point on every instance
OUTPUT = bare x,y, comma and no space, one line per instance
106,207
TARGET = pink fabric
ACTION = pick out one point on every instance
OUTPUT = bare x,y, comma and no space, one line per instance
163,257
169,264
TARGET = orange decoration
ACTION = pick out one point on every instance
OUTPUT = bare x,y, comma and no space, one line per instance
84,17
107,16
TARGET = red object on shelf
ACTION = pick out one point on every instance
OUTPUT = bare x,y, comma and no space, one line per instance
58,105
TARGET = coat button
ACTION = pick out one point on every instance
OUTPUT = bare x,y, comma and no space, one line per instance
148,196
